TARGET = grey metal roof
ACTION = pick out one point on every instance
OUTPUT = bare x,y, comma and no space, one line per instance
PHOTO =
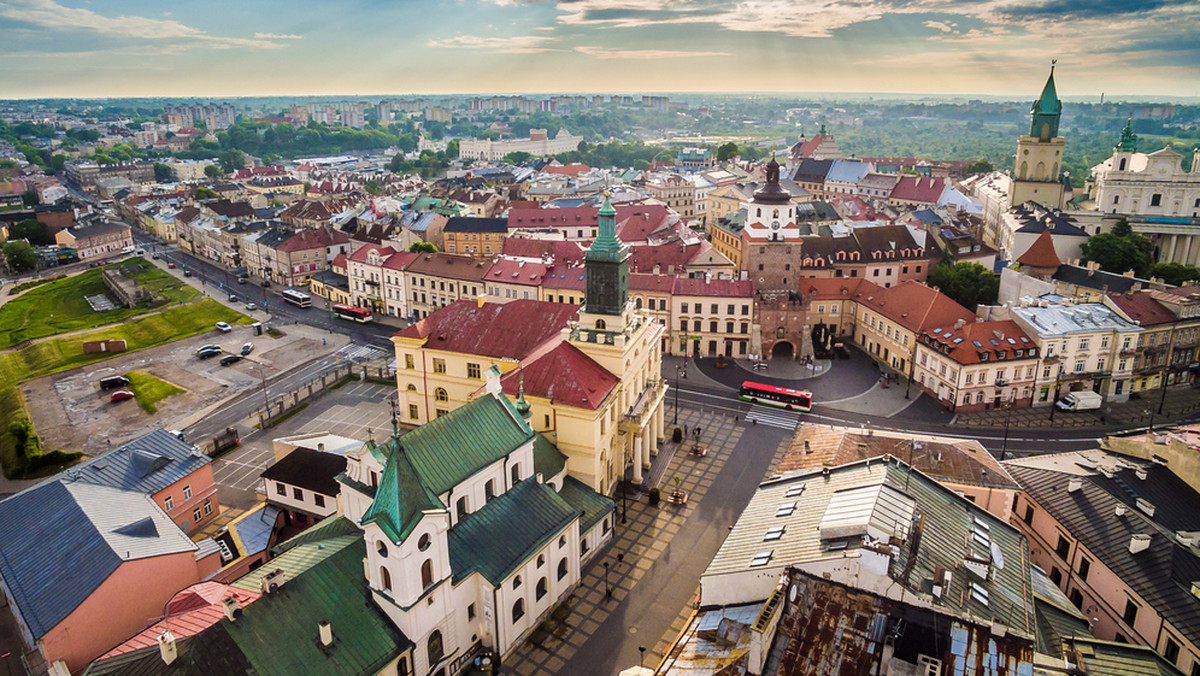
60,541
1097,279
1061,320
147,464
1162,575
868,491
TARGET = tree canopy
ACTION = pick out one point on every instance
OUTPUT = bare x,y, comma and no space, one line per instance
20,256
1119,251
968,284
32,230
1176,274
422,247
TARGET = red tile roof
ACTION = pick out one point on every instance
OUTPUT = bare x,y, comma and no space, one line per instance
509,271
498,330
339,262
1041,253
572,169
189,612
400,260
313,238
360,256
651,283
837,289
448,266
808,147
992,337
564,375
732,288
564,253
915,306
919,189
665,256
1142,308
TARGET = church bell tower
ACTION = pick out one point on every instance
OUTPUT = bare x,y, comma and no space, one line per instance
1037,171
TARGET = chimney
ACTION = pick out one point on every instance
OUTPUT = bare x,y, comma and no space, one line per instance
1074,485
325,630
166,647
480,300
958,324
230,605
320,446
1140,542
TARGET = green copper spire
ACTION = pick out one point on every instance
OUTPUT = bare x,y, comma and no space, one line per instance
1128,143
1046,111
607,247
523,406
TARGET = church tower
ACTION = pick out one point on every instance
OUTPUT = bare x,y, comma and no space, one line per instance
606,268
1036,176
770,215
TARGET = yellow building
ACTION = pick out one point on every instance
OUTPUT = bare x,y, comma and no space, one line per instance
591,376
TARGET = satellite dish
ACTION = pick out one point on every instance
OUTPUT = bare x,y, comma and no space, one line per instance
792,594
997,557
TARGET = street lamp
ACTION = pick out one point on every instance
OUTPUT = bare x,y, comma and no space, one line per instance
1007,420
680,370
641,656
607,589
624,508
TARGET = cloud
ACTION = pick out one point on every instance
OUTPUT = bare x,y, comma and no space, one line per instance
605,53
1085,9
943,26
50,15
527,44
278,36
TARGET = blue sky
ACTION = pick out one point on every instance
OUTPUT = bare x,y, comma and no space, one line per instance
1126,48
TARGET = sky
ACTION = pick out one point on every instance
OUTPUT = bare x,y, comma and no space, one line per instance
216,48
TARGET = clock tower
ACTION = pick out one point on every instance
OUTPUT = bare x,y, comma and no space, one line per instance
770,215
1037,171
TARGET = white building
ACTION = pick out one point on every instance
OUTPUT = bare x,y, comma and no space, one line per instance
1146,184
537,145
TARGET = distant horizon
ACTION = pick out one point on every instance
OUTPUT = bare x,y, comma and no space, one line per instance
63,49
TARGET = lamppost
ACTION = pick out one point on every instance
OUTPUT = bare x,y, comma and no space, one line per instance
1057,390
641,656
624,508
1162,399
680,370
1007,420
607,589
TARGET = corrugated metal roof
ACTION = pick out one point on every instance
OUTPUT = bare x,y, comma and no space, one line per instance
147,464
1108,658
211,651
591,505
59,543
254,528
296,560
498,538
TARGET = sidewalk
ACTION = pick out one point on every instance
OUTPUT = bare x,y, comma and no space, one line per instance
1181,403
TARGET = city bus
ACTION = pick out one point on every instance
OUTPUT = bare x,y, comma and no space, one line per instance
358,314
297,298
780,397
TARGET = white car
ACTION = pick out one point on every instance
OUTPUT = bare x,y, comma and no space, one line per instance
223,327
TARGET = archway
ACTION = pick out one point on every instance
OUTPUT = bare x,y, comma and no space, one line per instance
783,350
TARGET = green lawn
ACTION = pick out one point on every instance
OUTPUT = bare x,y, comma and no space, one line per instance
149,390
60,306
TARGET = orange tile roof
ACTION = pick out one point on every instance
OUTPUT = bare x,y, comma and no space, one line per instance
915,306
965,344
1041,253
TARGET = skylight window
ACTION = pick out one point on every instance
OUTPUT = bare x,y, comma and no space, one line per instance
761,559
978,593
976,343
786,509
794,491
773,533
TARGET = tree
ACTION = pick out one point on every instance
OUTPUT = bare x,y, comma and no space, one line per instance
213,171
968,284
232,160
29,198
422,247
518,157
163,173
1176,274
371,186
727,151
32,230
980,167
1122,228
20,256
1118,254
203,193
452,149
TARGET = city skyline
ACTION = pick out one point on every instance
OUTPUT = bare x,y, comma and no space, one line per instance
127,48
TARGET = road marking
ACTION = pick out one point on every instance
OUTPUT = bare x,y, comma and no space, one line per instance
787,420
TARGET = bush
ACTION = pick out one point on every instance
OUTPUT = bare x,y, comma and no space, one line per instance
677,435
655,494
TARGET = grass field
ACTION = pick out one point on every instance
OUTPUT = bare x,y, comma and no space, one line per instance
60,306
149,390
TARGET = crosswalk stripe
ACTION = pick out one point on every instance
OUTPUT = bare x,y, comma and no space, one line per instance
767,416
360,352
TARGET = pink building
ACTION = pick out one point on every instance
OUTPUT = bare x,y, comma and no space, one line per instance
1117,534
104,238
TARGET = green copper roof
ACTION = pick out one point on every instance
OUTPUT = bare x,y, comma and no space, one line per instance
497,539
588,502
547,459
278,632
297,560
607,247
401,498
1046,111
1128,142
331,526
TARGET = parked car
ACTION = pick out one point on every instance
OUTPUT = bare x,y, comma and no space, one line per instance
140,252
247,349
205,354
230,359
251,306
154,255
241,280
120,395
113,381
266,283
223,327
208,348
187,273
170,266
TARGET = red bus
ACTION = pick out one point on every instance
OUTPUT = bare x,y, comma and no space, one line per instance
352,313
781,397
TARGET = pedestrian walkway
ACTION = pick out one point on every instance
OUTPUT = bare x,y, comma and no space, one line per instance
763,415
1180,403
643,539
360,353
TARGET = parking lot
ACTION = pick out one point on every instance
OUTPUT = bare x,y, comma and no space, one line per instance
71,411
348,411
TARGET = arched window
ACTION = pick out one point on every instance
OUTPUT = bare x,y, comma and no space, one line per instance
541,589
637,302
562,568
600,325
541,560
385,578
517,582
427,573
516,474
412,388
518,610
1122,166
441,395
434,648
382,548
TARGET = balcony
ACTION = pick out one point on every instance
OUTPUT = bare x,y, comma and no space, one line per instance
1128,351
1052,359
647,401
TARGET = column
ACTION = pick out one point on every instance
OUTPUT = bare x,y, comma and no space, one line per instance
647,443
1171,249
662,418
1195,257
637,460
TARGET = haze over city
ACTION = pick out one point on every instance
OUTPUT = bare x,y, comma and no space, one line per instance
127,48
